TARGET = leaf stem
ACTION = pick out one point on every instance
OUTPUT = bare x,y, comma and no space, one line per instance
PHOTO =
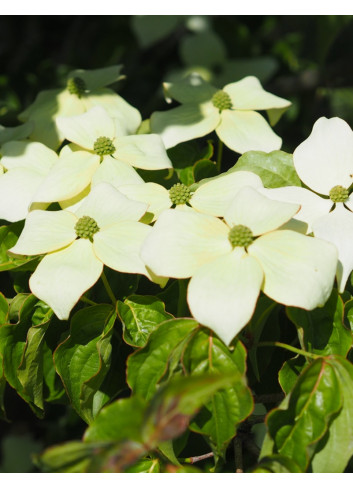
290,348
197,458
219,155
88,301
108,288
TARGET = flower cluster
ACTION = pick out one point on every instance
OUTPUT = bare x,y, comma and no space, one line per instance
74,178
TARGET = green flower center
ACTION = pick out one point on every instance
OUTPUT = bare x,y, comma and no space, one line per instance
179,194
240,236
221,100
338,194
86,227
76,86
104,146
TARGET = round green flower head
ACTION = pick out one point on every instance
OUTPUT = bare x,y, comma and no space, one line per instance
76,86
338,194
221,100
240,236
86,227
179,194
103,146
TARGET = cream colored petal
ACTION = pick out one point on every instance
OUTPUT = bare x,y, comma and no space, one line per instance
299,270
145,151
222,294
27,154
258,212
85,129
156,196
248,94
68,177
17,188
45,231
128,116
63,276
116,173
215,196
189,121
246,130
182,241
325,158
118,246
312,205
106,205
337,227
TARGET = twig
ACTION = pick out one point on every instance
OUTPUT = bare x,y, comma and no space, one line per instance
197,458
238,454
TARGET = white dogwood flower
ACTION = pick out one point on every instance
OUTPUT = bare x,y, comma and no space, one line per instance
212,197
230,262
231,112
324,162
26,166
84,90
109,156
104,230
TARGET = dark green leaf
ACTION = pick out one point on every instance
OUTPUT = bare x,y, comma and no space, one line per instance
290,372
204,169
323,329
146,367
314,400
276,169
83,359
140,315
4,309
218,420
204,49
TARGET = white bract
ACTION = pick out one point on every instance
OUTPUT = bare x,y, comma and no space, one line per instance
231,112
230,262
104,230
84,90
27,164
324,162
212,197
109,157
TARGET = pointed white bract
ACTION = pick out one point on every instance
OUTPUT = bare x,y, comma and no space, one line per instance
237,123
74,262
227,275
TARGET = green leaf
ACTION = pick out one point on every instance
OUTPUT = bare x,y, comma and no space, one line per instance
204,169
323,329
140,315
147,366
70,457
277,464
152,28
4,309
146,466
314,400
83,359
263,67
8,238
21,346
185,155
202,49
219,419
290,372
122,420
335,451
276,169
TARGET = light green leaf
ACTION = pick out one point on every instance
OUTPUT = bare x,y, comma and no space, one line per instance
4,309
277,464
275,169
290,371
147,366
83,359
335,451
315,399
140,316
